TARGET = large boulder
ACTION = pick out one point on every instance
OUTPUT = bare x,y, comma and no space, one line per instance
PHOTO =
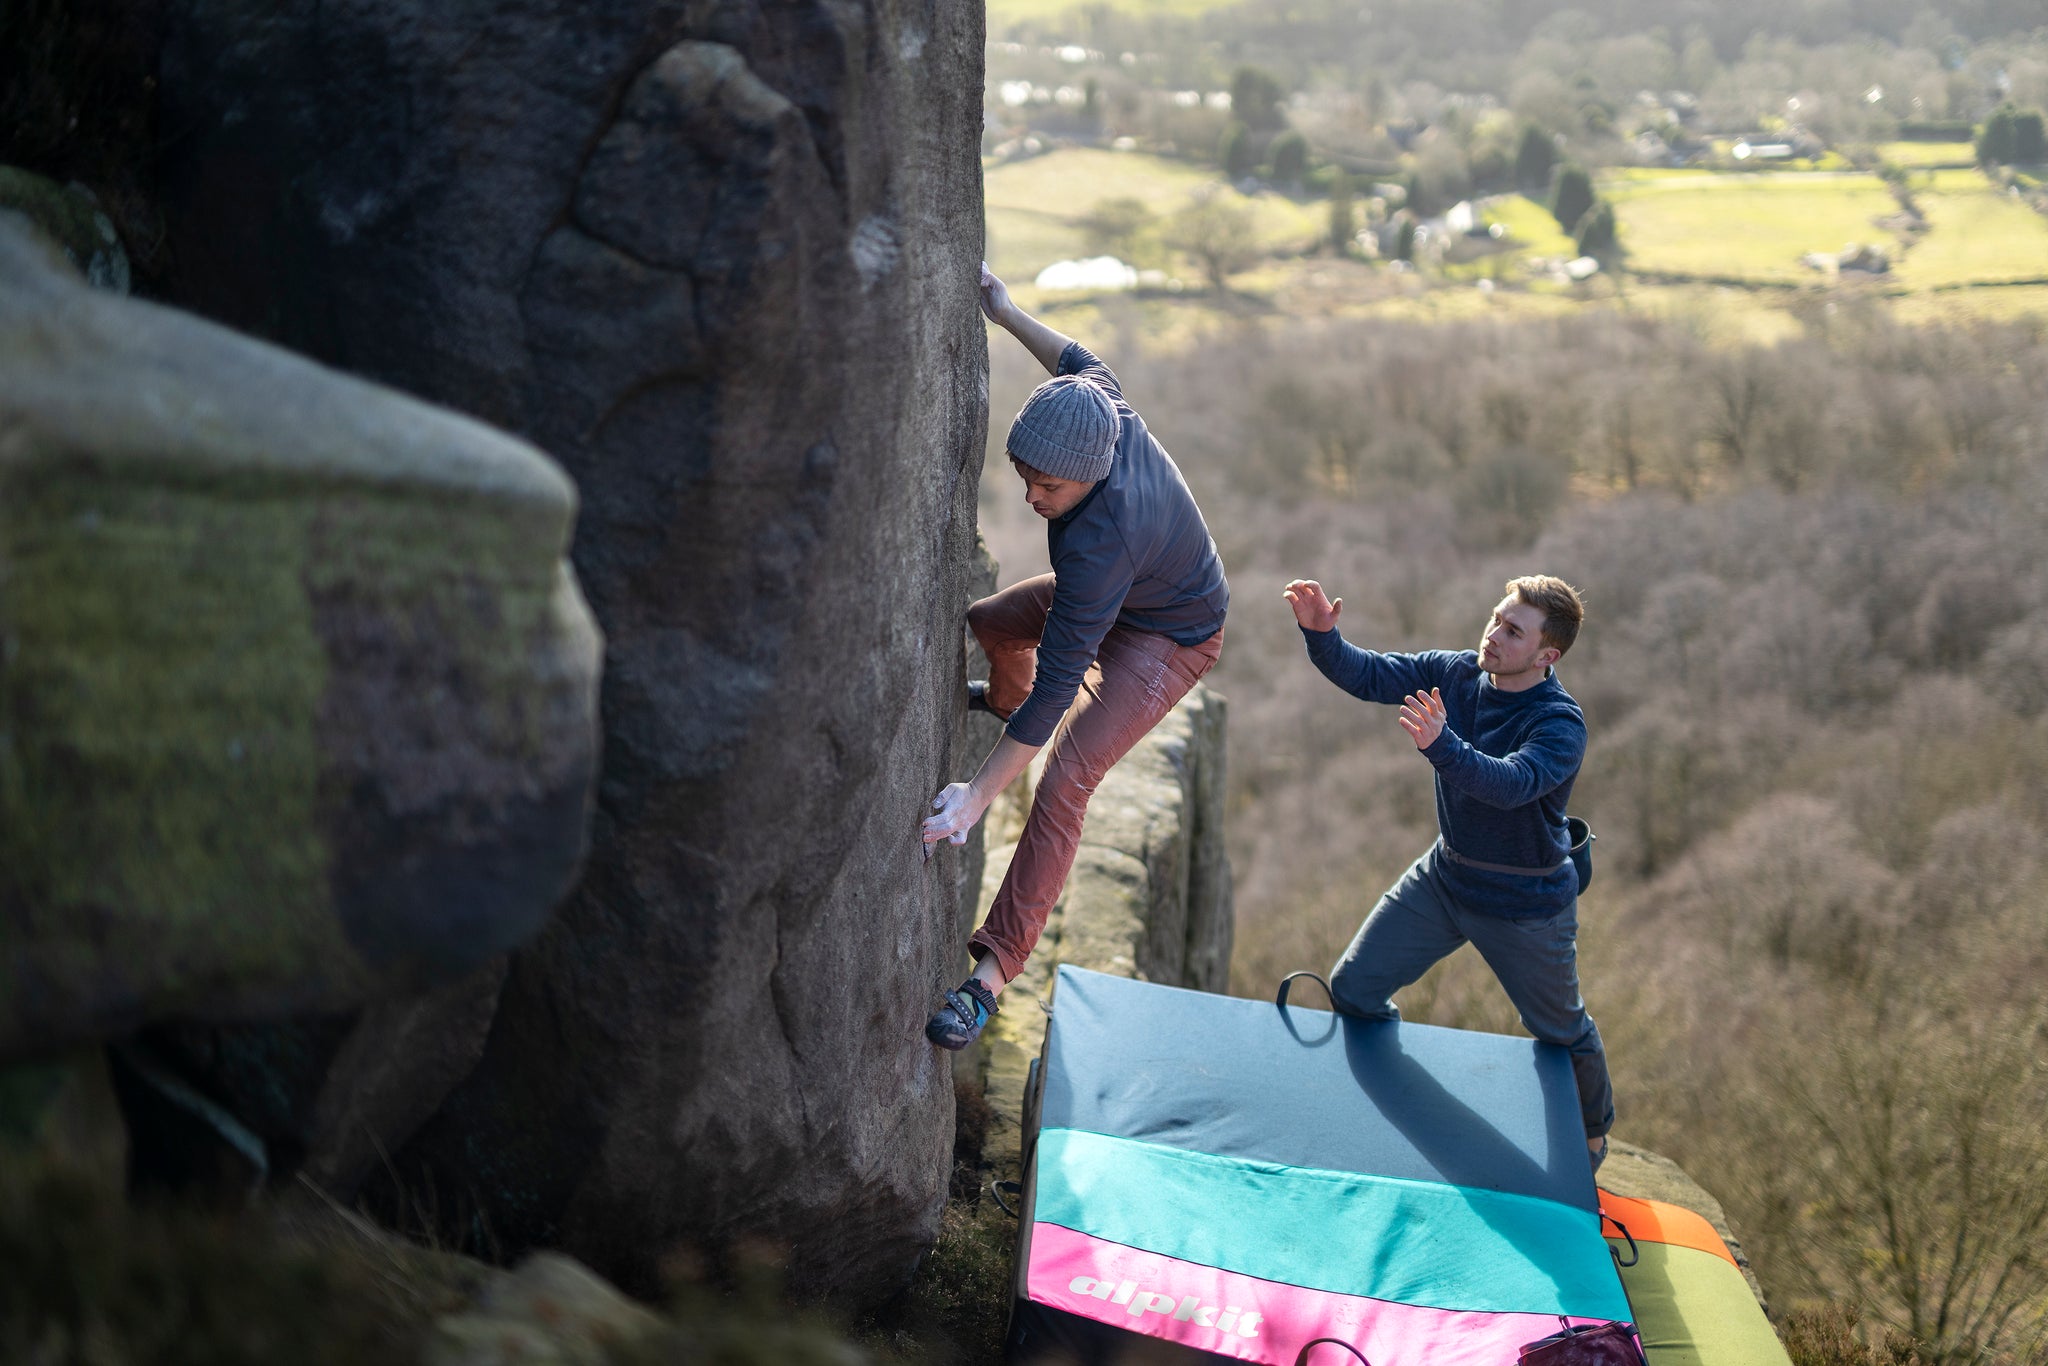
1149,896
720,261
297,692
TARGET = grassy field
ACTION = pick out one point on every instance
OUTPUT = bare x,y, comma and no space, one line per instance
1727,230
1976,235
1750,227
1531,225
1952,181
1003,13
1911,155
1034,206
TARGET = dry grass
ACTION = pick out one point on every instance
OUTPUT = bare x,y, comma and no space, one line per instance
1811,677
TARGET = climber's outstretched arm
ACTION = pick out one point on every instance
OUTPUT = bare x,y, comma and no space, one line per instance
1041,341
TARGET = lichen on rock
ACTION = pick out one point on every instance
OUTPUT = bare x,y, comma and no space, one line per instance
297,699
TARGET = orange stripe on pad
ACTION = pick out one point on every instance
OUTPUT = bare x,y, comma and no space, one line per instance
1653,1221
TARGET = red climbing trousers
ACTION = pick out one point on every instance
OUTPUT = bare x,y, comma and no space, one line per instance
1136,679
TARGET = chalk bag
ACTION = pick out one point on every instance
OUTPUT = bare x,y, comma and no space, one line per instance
1579,836
1602,1344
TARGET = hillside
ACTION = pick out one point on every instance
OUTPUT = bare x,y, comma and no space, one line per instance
1817,766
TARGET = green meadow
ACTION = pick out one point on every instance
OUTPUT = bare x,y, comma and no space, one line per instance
1530,226
1755,228
1035,205
1003,13
1916,155
1731,241
1976,236
1751,227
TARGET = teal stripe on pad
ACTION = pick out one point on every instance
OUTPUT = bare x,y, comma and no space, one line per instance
1412,1242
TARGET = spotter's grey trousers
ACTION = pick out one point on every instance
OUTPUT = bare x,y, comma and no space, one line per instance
1420,921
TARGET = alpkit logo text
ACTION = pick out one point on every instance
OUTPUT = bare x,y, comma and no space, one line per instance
1137,1302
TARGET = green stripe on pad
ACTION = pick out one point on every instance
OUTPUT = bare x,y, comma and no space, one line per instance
1696,1309
1349,1233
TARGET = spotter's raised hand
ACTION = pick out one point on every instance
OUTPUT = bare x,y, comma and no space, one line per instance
1311,607
1422,716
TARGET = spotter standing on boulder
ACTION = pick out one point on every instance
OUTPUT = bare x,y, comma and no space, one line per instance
1089,657
1506,741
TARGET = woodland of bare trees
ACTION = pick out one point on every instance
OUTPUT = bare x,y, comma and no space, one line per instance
1815,671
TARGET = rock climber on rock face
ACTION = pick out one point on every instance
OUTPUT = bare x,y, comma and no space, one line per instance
1087,658
1506,740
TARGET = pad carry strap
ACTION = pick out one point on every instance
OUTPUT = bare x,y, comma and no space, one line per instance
1302,1358
1280,1000
1635,1254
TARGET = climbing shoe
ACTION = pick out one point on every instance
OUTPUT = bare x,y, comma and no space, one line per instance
977,696
961,1015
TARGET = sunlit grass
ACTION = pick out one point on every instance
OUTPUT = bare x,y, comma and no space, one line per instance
1660,176
1716,225
1976,236
1068,182
1924,154
1744,227
1530,225
1035,205
1003,13
1961,180
1022,242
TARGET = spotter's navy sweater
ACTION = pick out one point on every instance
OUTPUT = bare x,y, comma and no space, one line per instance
1505,765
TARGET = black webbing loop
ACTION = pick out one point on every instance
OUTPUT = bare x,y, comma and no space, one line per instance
996,1189
1280,997
1301,1359
1635,1254
1280,1001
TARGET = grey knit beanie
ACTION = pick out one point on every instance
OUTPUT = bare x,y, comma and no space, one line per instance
1067,428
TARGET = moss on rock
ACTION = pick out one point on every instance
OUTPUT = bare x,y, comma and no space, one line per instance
256,621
